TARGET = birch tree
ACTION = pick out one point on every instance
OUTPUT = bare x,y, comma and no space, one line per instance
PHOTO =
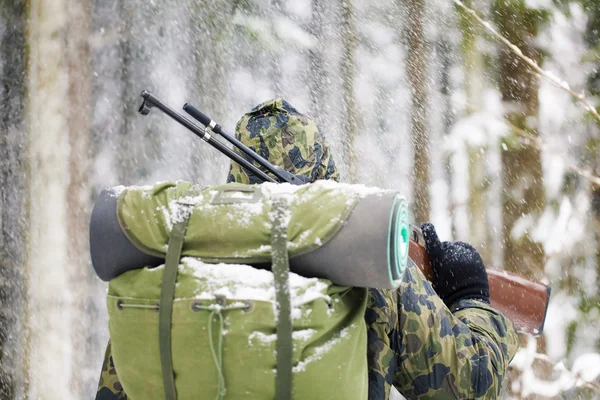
50,314
57,117
82,280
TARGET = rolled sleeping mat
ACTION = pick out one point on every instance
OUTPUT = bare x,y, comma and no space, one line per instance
350,234
111,251
363,245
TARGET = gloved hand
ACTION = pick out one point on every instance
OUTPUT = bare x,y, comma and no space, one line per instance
458,269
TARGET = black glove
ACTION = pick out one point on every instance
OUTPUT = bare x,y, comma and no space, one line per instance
458,269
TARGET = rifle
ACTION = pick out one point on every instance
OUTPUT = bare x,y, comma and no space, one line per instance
524,301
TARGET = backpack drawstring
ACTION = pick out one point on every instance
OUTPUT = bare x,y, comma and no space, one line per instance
217,355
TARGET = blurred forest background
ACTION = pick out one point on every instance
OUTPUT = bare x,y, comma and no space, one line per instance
412,94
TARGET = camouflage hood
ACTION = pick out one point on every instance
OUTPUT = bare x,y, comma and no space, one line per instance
279,133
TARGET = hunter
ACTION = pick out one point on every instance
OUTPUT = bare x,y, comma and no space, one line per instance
439,340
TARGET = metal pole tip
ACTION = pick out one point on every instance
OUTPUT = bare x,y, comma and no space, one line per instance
144,108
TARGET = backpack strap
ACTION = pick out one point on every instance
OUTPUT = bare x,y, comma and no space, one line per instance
281,269
167,292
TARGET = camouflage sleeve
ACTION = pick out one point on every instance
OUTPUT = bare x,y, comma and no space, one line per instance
452,356
382,320
109,387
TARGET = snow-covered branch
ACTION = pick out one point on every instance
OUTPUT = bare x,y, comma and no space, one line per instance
532,139
537,142
583,374
532,64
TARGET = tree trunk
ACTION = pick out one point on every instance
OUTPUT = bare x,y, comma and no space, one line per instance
416,70
592,153
351,125
13,196
523,197
522,168
82,279
211,60
317,70
595,195
59,130
139,147
478,181
50,317
129,140
276,10
444,50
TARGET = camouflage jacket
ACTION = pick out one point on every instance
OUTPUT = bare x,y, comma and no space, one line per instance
416,343
427,351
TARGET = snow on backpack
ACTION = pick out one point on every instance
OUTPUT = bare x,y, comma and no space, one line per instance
201,300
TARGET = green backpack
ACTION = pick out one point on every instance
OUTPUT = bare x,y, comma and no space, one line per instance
207,326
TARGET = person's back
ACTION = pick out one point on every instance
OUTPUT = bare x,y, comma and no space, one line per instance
415,341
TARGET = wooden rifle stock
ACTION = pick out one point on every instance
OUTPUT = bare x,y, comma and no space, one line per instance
523,301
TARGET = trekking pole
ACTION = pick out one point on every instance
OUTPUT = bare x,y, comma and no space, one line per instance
282,174
152,101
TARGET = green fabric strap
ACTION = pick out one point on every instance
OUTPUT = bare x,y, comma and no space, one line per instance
167,293
281,268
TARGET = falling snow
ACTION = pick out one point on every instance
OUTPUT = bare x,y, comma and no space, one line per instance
70,128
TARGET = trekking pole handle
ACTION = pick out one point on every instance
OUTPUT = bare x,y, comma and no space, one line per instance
201,117
152,101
